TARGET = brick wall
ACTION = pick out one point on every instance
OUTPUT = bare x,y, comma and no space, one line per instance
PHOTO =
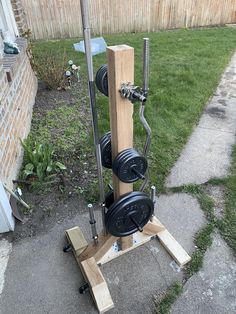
19,15
17,94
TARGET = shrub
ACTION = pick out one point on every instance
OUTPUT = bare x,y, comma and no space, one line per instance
50,68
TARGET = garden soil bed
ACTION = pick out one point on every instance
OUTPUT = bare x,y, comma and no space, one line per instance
59,201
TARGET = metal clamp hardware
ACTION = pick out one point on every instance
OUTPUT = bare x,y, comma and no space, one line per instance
132,92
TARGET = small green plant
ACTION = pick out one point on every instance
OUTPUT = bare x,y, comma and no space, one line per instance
39,162
163,302
203,240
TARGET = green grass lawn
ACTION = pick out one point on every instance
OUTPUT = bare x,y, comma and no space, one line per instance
185,67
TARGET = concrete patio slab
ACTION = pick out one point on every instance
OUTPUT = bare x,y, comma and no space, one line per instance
46,280
182,216
213,289
5,250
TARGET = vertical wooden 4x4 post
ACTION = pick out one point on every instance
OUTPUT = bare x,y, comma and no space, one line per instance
90,256
120,70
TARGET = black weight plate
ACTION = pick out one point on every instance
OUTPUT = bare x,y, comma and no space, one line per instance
119,202
119,223
137,204
109,199
105,137
101,79
106,153
124,199
126,174
105,145
123,163
118,159
98,78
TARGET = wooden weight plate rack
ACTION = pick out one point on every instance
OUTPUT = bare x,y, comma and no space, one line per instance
90,256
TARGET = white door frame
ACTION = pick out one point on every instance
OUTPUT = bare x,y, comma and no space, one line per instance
7,221
10,18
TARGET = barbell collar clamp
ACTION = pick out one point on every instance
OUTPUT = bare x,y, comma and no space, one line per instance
132,92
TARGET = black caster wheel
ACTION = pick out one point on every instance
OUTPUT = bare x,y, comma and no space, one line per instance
84,288
67,248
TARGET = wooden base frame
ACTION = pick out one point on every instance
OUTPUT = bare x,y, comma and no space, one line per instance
90,256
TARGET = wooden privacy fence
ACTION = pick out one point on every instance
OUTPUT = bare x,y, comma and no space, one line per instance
61,18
